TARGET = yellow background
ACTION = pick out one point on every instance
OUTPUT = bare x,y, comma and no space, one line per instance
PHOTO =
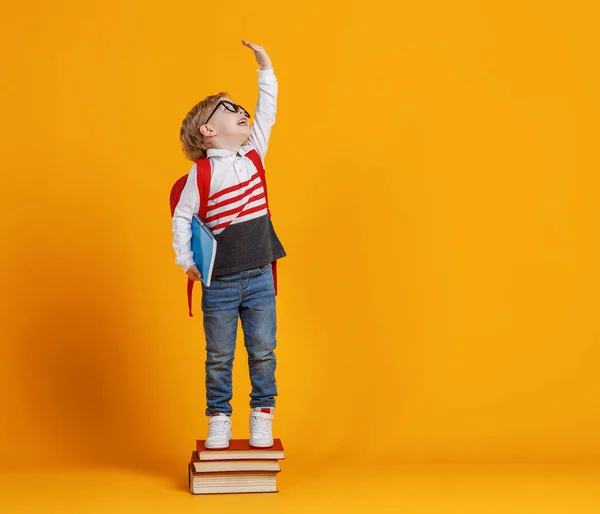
433,176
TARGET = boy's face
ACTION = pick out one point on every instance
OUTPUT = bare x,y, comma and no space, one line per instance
229,122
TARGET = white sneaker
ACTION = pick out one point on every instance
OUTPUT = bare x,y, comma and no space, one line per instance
261,435
219,432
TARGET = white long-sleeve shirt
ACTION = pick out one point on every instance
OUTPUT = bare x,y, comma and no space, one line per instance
237,199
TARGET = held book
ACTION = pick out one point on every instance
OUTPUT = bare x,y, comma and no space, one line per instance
204,246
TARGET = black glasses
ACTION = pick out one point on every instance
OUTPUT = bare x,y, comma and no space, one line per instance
230,106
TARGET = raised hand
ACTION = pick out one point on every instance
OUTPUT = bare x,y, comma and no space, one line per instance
262,57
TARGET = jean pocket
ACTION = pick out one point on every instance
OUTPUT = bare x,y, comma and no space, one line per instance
262,269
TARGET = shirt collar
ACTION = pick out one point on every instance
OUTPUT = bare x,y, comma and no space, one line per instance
219,152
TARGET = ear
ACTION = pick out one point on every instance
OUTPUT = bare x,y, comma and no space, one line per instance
207,131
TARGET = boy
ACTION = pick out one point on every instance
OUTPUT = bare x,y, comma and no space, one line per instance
242,283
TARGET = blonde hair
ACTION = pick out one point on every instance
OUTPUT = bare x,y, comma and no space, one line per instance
192,142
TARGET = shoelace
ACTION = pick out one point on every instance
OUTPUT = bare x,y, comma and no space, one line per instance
262,426
218,427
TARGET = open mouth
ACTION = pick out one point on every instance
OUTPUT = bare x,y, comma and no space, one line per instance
243,121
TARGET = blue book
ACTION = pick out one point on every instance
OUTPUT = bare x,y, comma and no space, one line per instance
204,246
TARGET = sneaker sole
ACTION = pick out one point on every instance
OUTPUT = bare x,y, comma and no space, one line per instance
219,446
258,445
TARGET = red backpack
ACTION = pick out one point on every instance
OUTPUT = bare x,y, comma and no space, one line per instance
203,181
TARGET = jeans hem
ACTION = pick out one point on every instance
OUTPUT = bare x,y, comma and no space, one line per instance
210,412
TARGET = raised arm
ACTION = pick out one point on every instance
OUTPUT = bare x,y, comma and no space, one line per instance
266,106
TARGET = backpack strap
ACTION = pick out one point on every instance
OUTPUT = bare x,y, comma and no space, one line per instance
203,182
257,161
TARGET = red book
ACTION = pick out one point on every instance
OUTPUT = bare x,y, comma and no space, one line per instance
240,449
221,483
233,466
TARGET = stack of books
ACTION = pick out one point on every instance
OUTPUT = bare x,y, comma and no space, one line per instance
240,468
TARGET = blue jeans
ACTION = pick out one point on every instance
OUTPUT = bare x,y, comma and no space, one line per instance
249,294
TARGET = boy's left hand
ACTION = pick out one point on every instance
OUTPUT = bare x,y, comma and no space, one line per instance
261,56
